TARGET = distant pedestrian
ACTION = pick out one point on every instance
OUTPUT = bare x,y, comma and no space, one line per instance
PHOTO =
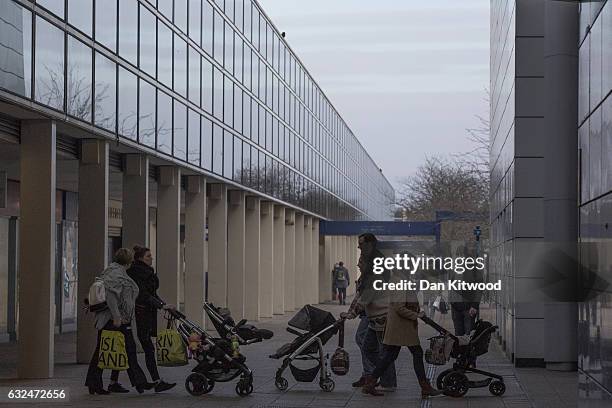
334,288
342,281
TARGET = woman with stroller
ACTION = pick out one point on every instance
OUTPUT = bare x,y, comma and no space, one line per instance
147,304
121,292
402,329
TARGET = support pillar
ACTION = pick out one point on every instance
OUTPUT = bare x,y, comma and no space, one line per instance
196,262
279,260
298,288
92,235
35,357
168,233
235,253
266,269
135,206
217,244
314,271
325,267
253,272
308,265
290,260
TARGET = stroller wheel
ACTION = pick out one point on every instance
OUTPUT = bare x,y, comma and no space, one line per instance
281,383
327,385
243,389
497,388
455,384
440,379
197,384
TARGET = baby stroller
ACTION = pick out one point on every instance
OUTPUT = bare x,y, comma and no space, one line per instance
218,359
464,349
227,328
313,328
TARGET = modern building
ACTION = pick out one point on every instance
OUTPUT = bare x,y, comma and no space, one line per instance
189,126
551,179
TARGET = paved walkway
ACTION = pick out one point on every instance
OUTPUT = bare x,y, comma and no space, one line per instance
525,387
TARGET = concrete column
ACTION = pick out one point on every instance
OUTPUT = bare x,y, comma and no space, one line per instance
266,269
93,234
168,233
290,303
308,266
298,289
325,267
314,271
253,274
561,179
196,262
37,250
217,244
135,206
235,253
279,260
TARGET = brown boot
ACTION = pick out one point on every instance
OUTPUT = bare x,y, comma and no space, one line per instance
359,383
427,390
370,387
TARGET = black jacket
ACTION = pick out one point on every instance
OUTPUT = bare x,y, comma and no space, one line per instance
147,301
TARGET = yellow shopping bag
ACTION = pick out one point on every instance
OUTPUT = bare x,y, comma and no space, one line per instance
112,354
171,351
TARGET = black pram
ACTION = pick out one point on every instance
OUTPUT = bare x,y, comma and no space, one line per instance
226,327
464,349
313,328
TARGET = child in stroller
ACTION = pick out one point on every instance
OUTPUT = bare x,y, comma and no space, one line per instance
313,328
226,327
463,349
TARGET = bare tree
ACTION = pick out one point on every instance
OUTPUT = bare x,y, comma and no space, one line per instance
477,159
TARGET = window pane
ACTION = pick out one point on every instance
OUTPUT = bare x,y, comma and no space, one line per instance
255,28
106,23
147,41
237,170
146,114
238,59
128,104
105,93
128,31
194,76
207,27
49,64
246,115
79,79
180,131
239,12
194,138
165,7
164,122
54,6
228,154
180,65
180,14
207,140
247,19
219,31
229,9
195,20
217,149
229,48
164,54
207,86
218,94
238,108
16,41
80,15
228,98
254,120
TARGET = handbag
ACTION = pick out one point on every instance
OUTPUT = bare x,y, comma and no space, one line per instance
443,306
111,353
171,351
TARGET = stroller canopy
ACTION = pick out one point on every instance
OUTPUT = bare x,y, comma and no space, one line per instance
311,319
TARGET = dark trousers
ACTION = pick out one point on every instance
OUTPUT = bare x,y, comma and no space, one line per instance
94,374
143,331
372,350
462,321
341,295
389,356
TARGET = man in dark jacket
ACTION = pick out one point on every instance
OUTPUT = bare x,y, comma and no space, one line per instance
147,304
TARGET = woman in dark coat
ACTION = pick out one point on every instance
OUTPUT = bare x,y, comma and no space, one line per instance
147,304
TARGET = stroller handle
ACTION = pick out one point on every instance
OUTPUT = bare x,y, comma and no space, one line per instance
484,333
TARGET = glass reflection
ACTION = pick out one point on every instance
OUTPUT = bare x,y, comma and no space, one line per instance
80,15
54,6
207,27
105,93
164,54
217,149
128,30
229,48
246,115
228,154
79,79
164,122
16,41
218,94
238,108
180,131
193,139
207,143
218,40
148,36
49,65
194,76
180,65
180,14
165,7
146,114
228,102
237,169
195,21
207,86
106,23
128,104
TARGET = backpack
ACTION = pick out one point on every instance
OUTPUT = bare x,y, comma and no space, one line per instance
340,275
97,296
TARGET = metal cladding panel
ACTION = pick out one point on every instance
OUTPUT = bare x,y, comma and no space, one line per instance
378,228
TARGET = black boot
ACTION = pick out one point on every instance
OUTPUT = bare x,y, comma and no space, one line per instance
117,388
162,386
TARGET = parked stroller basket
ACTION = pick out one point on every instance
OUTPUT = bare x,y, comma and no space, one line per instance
440,348
304,374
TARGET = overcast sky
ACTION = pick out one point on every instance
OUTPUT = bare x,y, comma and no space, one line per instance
407,76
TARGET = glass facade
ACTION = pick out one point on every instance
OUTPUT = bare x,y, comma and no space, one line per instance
210,84
595,152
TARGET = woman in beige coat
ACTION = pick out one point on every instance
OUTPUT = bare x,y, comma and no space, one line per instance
402,329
